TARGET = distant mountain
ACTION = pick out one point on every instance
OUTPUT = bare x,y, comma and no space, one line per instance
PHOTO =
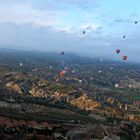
12,56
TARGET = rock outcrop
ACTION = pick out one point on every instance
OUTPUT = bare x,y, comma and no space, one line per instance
84,102
14,87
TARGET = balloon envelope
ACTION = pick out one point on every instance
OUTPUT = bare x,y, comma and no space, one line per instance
84,32
20,64
117,51
124,57
99,71
62,53
116,85
61,74
124,36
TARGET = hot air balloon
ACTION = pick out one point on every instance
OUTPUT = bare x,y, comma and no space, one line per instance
62,53
84,32
124,36
80,81
66,68
57,80
124,57
50,67
99,71
116,85
61,74
73,71
111,68
136,22
20,64
64,71
117,51
130,86
101,60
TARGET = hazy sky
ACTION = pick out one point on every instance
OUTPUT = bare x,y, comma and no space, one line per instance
56,25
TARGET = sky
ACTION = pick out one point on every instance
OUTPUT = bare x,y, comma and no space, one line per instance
57,25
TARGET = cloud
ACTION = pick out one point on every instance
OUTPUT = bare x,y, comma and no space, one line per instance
134,15
122,20
27,37
81,4
84,4
89,26
25,14
49,25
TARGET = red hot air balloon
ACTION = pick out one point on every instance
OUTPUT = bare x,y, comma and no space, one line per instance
117,51
61,74
124,57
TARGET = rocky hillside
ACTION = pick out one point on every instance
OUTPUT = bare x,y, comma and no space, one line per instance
56,93
85,103
44,89
11,128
